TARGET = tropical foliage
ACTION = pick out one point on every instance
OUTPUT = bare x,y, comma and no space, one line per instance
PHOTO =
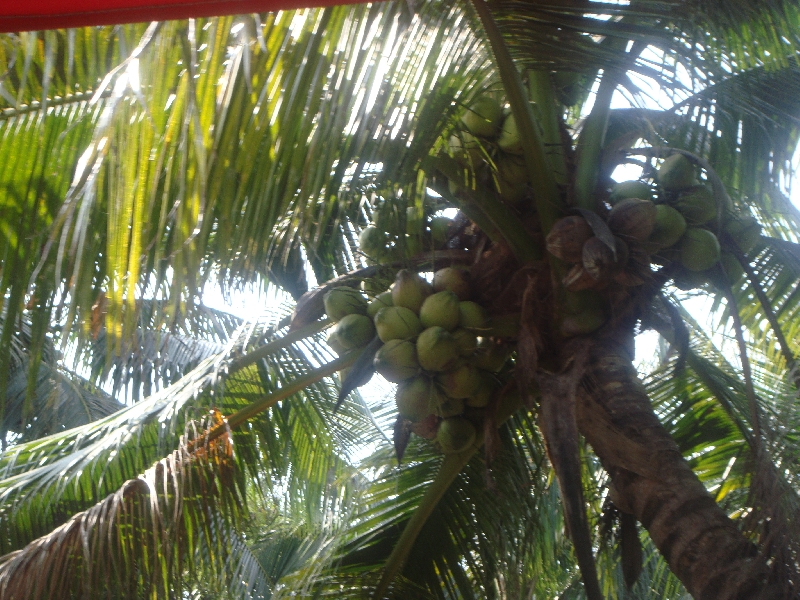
155,446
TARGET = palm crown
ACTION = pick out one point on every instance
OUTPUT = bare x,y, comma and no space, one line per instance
141,163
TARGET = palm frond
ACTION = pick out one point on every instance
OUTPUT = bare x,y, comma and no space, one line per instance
146,533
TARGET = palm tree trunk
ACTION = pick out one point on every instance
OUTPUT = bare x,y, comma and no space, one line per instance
651,480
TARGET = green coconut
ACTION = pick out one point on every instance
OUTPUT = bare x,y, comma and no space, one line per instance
466,341
335,344
690,280
669,227
397,360
437,349
699,249
455,434
697,205
372,241
584,313
412,398
483,395
466,148
745,231
442,406
439,226
382,300
342,301
410,290
733,269
512,169
354,331
461,382
676,173
482,117
509,140
511,193
397,323
440,309
490,356
453,279
630,189
471,315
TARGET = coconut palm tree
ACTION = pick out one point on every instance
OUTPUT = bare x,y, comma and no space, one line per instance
144,163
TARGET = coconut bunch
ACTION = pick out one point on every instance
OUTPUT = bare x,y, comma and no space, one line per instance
686,223
396,232
432,350
487,141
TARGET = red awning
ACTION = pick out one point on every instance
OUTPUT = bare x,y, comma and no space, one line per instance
27,15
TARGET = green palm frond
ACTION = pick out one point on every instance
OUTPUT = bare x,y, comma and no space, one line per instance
60,400
147,532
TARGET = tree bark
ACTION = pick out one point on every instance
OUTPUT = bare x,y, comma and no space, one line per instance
651,480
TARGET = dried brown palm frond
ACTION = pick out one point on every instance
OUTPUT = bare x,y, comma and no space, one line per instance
142,538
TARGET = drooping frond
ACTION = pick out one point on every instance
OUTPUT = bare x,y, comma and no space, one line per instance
140,539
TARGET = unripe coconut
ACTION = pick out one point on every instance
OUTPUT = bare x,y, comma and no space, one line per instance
482,117
397,323
567,237
471,315
699,249
466,341
410,290
439,226
511,193
453,279
733,269
436,349
669,227
633,218
483,395
745,231
372,241
342,301
461,382
512,169
598,260
630,189
382,300
676,173
445,407
335,344
355,331
584,313
412,398
490,356
455,435
697,205
466,148
440,309
583,322
509,140
397,360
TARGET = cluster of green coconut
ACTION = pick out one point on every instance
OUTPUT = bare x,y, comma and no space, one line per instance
675,221
397,232
488,134
431,349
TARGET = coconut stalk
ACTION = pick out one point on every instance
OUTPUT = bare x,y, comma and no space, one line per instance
548,198
449,470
